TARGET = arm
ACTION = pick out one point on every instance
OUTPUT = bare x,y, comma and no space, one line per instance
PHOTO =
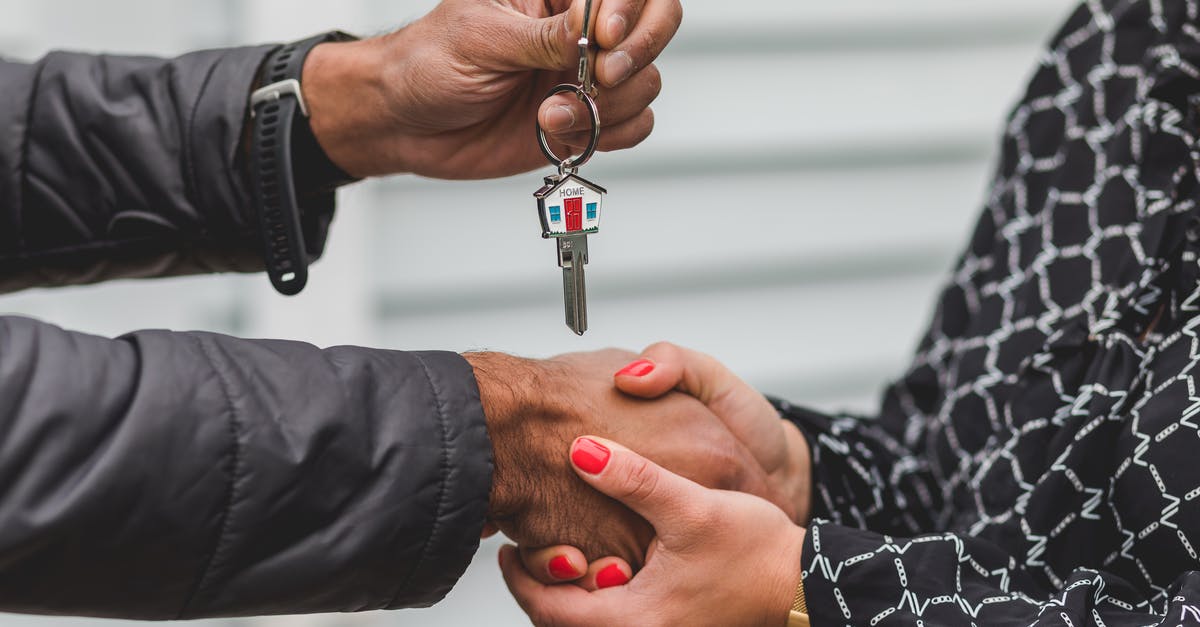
129,167
179,475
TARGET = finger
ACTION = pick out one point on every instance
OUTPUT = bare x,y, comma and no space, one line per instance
606,572
557,605
647,38
625,135
614,21
565,113
554,564
662,497
746,412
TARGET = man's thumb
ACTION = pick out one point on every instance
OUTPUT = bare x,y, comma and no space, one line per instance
658,495
539,43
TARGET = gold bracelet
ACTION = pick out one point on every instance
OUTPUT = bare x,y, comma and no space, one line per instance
798,604
798,617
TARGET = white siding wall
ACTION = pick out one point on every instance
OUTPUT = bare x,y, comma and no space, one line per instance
815,169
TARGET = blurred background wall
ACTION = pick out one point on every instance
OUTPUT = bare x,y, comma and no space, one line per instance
815,169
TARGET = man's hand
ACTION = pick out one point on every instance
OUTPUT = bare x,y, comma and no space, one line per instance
719,558
454,94
535,409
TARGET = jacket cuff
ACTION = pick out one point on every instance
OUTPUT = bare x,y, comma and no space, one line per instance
466,482
220,128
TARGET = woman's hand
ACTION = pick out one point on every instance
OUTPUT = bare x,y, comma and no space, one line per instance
718,558
454,95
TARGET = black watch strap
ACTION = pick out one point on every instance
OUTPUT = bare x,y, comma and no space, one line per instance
273,109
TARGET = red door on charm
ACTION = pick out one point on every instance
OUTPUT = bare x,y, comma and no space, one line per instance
574,208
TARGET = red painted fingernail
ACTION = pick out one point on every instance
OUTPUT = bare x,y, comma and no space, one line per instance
590,456
561,568
639,368
610,576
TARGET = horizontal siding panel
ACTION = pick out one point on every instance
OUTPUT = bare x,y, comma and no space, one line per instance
741,105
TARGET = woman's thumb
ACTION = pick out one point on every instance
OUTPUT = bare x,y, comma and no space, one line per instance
657,494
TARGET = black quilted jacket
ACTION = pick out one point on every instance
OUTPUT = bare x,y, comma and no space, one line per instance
178,475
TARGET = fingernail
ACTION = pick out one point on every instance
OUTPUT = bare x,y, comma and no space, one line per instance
618,65
590,456
639,368
560,118
610,576
561,568
616,28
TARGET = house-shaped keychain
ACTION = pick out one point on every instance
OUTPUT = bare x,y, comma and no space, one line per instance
569,206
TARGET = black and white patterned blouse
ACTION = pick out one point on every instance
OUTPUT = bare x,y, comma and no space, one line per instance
1040,461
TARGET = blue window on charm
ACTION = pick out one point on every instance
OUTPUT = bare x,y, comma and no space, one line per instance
555,214
591,211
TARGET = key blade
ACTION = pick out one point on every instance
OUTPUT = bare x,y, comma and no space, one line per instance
573,257
575,298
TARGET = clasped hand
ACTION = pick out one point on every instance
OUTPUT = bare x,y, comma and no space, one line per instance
603,512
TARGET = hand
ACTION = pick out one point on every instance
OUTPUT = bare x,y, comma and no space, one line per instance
719,558
454,94
535,409
777,444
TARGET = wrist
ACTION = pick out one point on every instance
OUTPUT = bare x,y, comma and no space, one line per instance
343,88
799,471
789,579
505,384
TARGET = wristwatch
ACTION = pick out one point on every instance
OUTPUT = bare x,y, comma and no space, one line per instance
283,150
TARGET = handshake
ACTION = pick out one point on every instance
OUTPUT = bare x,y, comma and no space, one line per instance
673,468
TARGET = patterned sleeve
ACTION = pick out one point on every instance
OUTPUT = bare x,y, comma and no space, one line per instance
865,477
910,570
856,577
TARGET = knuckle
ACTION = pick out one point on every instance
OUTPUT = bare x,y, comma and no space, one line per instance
641,481
654,81
547,36
728,466
647,46
663,349
644,129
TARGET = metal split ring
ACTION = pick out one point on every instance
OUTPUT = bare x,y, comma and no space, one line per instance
569,164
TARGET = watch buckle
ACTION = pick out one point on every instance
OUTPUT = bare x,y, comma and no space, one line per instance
275,92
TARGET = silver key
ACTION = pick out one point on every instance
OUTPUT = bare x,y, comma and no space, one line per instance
569,208
568,204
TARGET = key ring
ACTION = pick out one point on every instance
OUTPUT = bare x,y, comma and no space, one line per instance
585,91
568,164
